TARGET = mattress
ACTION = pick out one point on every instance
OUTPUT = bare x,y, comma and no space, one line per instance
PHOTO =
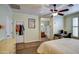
59,46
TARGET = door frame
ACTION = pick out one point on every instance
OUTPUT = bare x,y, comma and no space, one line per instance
15,30
51,27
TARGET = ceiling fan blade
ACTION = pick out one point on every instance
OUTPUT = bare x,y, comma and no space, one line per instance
61,14
64,10
51,10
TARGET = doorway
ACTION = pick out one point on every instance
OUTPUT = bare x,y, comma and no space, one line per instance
19,31
45,28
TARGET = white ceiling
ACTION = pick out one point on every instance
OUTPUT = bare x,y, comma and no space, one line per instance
42,9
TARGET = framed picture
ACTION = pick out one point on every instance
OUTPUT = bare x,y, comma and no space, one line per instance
31,23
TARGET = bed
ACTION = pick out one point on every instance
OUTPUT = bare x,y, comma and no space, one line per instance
60,46
8,46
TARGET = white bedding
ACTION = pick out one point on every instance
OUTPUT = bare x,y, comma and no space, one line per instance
65,45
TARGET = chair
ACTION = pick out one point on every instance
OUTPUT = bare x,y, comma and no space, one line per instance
61,31
57,36
43,34
65,32
69,35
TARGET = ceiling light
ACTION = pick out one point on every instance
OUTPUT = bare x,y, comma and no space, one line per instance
42,24
55,14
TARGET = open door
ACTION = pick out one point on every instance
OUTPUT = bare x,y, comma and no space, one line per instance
20,31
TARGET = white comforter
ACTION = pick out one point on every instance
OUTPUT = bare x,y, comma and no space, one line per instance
65,45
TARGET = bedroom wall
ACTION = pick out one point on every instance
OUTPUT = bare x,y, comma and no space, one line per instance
57,24
30,34
5,14
68,21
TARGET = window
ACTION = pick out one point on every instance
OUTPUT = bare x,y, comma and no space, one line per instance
75,27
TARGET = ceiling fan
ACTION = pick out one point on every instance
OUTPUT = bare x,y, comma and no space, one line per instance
55,12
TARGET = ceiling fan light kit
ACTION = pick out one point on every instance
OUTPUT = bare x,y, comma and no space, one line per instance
54,14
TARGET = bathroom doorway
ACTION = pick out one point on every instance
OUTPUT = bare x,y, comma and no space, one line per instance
45,29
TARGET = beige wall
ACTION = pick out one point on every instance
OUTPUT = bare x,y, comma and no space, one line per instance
30,34
68,21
